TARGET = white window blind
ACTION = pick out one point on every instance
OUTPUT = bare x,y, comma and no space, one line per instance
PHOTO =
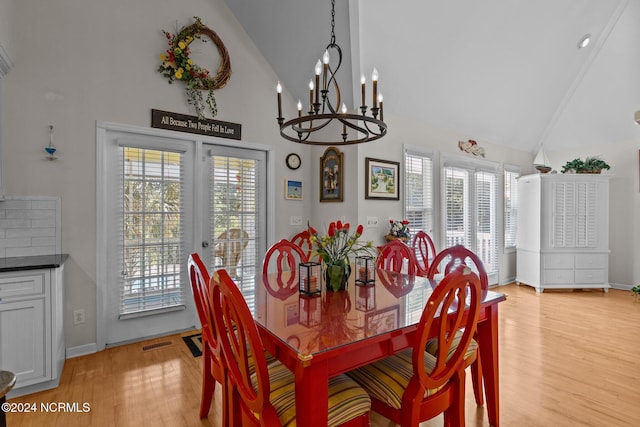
152,230
237,217
486,199
457,212
510,207
418,201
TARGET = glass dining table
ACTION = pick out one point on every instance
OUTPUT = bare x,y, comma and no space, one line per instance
318,337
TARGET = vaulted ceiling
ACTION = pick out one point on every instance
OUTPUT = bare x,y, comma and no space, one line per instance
504,71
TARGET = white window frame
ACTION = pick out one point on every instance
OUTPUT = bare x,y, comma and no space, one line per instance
512,211
426,154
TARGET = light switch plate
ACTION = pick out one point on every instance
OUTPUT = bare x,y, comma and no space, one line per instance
295,220
372,221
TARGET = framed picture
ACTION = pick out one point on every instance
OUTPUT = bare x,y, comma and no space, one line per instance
331,175
383,320
292,189
382,179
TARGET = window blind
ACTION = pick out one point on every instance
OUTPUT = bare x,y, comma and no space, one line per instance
510,207
418,200
152,230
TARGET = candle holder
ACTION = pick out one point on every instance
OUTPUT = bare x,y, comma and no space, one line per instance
365,298
310,310
365,271
309,278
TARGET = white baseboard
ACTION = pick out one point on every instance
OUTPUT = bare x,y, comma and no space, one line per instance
621,286
81,350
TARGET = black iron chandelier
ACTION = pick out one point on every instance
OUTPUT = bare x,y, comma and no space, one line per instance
338,127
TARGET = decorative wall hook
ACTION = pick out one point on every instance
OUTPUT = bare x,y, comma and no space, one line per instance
50,149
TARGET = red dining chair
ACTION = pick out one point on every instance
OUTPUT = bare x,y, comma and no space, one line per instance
282,257
424,250
397,256
265,394
303,241
445,261
413,385
212,369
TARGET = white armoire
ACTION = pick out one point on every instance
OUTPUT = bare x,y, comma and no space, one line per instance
563,231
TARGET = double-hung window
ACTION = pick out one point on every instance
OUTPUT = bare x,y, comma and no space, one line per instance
511,175
418,190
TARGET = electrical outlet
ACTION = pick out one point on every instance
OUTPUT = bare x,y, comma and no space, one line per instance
372,221
295,220
78,316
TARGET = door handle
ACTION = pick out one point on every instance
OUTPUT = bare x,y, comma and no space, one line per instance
205,243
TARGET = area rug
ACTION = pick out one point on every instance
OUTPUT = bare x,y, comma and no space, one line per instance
194,343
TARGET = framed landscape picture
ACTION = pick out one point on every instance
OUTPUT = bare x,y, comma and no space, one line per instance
292,190
382,179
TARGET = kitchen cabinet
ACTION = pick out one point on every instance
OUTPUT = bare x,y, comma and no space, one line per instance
32,328
563,231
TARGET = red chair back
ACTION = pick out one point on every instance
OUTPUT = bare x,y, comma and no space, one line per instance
451,257
395,255
283,257
212,369
424,250
243,353
452,310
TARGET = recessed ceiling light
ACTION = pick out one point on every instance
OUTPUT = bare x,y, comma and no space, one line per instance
584,41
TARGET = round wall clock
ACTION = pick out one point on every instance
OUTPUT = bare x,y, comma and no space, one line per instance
293,161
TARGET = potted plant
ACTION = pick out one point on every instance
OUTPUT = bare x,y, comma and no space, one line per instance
589,165
636,292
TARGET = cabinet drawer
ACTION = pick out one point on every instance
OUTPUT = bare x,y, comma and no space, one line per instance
558,276
21,285
592,261
590,276
558,261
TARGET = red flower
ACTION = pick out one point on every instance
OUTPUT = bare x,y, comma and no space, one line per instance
332,229
339,225
405,222
312,231
346,226
359,230
390,221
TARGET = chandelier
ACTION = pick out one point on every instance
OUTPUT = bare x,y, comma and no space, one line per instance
338,127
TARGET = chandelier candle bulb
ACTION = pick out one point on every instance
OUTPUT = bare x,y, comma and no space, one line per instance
299,108
374,79
325,60
380,98
311,96
279,90
362,81
318,71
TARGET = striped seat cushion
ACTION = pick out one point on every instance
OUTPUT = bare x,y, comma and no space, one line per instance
432,346
387,379
347,400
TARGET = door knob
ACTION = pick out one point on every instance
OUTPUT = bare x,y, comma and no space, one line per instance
205,243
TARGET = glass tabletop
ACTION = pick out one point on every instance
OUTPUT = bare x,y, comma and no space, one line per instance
313,324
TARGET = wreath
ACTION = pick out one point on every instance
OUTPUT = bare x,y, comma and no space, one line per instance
176,65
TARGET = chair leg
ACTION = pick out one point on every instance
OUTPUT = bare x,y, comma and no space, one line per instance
208,384
476,379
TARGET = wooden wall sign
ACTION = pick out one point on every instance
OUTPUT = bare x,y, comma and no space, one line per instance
192,124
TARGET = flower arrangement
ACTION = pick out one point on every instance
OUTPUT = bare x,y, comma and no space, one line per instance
399,229
335,248
177,65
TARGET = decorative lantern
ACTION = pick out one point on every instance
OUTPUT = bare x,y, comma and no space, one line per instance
310,310
309,278
365,271
365,298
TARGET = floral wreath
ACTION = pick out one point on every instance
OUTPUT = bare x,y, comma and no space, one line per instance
176,65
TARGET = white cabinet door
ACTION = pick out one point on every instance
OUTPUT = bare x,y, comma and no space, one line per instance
23,339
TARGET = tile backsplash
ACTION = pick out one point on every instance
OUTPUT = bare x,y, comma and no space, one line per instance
29,226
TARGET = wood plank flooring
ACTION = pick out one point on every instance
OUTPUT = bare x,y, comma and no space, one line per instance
567,358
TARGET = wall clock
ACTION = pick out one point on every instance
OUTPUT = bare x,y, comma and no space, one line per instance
293,161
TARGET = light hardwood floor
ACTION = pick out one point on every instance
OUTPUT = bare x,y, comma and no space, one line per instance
567,358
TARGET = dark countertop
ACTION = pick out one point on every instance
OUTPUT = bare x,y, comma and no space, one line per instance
32,262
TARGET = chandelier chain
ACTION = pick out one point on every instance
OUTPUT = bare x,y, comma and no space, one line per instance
333,22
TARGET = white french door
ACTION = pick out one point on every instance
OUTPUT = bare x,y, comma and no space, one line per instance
145,225
235,215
